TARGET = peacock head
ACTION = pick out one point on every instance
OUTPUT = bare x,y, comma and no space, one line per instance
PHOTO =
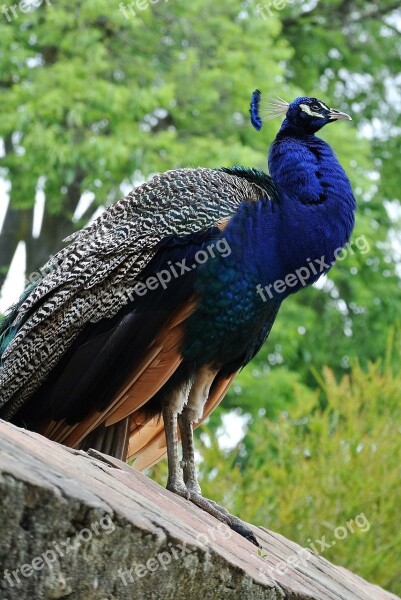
305,114
311,114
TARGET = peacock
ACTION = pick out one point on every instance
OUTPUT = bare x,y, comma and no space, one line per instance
136,328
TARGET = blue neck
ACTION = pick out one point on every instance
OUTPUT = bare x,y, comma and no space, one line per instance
318,205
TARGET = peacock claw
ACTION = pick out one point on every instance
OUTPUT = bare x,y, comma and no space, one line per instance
220,513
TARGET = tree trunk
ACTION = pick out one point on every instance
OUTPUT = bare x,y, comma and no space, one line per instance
17,226
55,227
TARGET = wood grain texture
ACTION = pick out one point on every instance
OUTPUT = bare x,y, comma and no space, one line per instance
50,494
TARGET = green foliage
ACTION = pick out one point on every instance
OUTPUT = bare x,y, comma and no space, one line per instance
313,469
86,111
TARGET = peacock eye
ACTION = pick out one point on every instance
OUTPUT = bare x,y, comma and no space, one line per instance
315,106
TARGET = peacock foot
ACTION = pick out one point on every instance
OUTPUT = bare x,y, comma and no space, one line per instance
224,516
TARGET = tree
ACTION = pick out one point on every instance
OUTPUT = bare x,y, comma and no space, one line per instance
102,99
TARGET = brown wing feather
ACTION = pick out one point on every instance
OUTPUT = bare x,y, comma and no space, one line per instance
157,366
142,386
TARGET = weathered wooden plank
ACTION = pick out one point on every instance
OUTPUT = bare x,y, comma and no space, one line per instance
85,526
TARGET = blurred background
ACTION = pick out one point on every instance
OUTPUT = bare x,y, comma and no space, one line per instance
98,95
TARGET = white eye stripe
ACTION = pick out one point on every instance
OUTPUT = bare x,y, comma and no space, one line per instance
310,112
323,106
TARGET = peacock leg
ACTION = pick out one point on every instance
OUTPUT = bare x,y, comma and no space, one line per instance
188,452
175,482
193,487
191,413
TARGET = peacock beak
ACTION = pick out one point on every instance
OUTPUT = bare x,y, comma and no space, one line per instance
336,115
